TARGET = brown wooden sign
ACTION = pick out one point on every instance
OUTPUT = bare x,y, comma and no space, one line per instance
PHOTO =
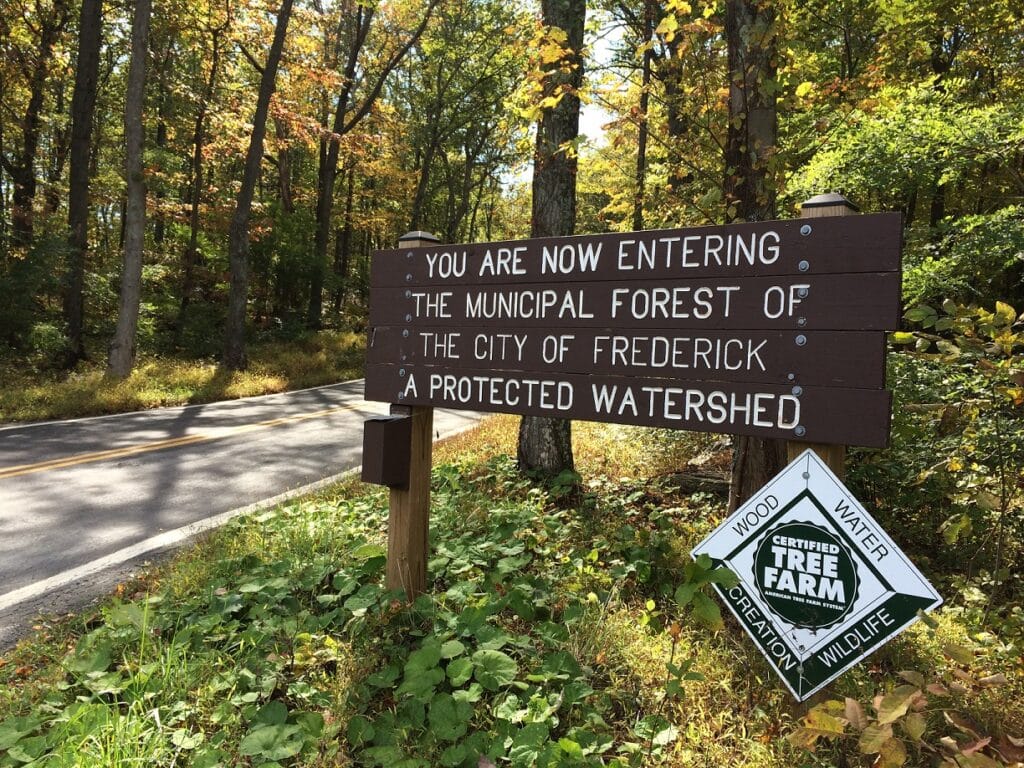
819,358
840,244
771,328
814,414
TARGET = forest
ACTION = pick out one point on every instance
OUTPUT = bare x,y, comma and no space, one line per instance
199,181
408,115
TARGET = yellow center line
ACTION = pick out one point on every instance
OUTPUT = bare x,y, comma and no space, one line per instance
157,445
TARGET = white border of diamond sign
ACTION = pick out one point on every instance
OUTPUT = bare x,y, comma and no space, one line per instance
821,585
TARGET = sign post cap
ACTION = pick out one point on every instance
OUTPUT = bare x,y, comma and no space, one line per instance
418,235
828,200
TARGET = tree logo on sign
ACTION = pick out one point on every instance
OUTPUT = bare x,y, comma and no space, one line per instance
806,574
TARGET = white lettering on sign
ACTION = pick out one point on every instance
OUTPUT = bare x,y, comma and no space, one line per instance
762,629
806,568
499,346
503,261
569,258
760,510
499,391
861,635
440,345
697,251
777,303
544,304
681,352
695,406
432,304
852,519
677,303
446,264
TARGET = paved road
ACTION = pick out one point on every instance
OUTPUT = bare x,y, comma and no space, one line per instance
80,494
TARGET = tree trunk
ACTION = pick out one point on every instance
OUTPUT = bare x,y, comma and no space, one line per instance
343,244
191,258
235,358
22,170
122,349
749,186
346,117
643,128
545,444
83,106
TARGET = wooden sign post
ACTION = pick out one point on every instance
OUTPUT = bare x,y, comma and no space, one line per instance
409,508
819,206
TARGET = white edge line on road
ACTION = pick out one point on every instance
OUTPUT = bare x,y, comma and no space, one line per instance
4,427
176,536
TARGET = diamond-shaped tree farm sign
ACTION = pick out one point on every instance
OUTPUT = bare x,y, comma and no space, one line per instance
821,585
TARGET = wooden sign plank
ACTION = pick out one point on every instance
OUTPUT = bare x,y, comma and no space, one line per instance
817,414
858,301
839,244
849,359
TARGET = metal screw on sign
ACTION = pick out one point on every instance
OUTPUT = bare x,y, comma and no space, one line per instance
409,256
804,265
801,321
800,431
408,294
408,318
408,278
802,293
405,333
797,391
791,376
801,340
805,229
401,372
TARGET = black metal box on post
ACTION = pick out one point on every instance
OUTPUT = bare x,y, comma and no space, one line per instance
386,451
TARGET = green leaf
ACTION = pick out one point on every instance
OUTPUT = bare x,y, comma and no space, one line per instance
895,705
272,742
454,755
272,713
459,671
449,719
14,729
959,653
723,577
184,739
527,745
707,612
902,337
915,725
494,669
359,731
368,551
451,649
684,594
92,656
426,657
892,754
873,737
421,684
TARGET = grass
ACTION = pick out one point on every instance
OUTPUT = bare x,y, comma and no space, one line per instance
546,639
28,394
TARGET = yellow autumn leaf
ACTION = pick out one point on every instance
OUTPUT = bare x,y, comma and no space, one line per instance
804,88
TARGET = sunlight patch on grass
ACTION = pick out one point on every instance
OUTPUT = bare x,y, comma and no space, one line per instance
323,358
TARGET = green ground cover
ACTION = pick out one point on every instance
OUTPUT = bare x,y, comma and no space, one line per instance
551,636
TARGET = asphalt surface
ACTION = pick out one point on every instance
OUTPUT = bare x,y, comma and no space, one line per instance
83,502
